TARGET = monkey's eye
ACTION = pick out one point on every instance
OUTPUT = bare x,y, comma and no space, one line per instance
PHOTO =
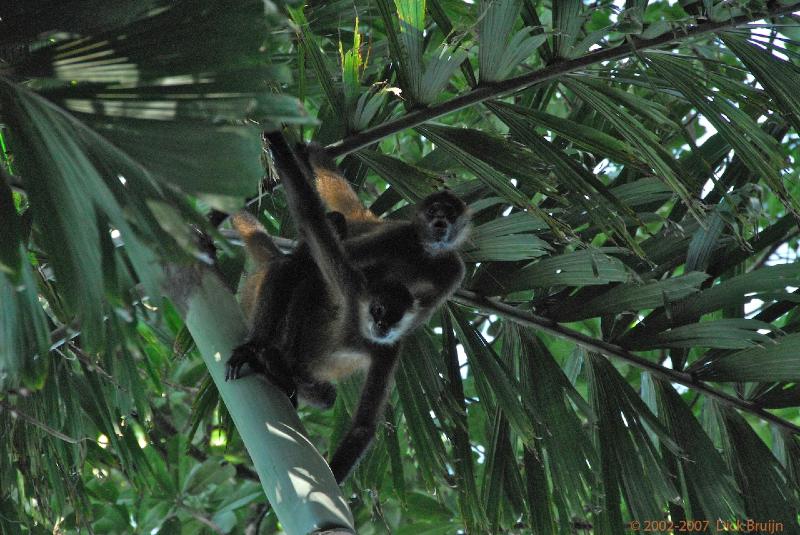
377,310
431,211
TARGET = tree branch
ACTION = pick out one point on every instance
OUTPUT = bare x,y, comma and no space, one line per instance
612,350
494,90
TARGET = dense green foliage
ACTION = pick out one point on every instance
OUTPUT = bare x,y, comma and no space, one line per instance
625,345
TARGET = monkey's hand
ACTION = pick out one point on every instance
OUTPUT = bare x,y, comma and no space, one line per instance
339,223
265,360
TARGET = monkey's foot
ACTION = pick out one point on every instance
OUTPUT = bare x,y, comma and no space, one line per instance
320,394
248,353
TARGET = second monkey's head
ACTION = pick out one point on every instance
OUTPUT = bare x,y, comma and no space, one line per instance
442,221
387,313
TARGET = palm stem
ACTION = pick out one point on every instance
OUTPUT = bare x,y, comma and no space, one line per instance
298,483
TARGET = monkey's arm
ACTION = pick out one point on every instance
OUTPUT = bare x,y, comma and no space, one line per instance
433,293
256,240
370,410
309,216
259,295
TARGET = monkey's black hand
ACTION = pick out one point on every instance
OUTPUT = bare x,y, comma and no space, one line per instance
339,223
264,360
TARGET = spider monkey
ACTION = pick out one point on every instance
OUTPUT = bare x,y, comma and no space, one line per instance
421,253
336,320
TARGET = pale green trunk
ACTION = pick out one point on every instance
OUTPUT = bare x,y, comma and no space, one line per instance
296,479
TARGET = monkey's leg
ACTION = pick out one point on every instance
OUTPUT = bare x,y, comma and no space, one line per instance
262,351
369,411
339,224
320,394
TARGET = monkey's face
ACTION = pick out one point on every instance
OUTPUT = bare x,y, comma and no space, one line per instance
387,314
444,221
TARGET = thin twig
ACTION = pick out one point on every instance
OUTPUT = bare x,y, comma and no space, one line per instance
549,326
14,412
494,90
772,250
91,364
254,527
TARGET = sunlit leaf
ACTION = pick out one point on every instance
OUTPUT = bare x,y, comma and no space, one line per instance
501,50
758,151
578,268
776,75
724,333
636,296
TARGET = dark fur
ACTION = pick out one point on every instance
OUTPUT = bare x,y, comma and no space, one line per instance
397,251
276,343
422,253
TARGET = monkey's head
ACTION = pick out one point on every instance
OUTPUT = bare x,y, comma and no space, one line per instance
443,221
387,313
